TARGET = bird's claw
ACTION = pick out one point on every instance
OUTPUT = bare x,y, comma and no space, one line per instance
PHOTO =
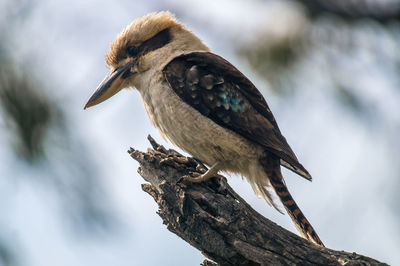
173,160
195,177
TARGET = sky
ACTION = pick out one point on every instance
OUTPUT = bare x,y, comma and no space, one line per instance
351,202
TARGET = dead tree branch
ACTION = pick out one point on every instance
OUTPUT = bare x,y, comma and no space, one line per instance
211,217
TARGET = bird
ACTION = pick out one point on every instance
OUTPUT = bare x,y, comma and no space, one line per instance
204,105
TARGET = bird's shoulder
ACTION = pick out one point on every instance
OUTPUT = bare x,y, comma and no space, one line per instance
219,91
211,71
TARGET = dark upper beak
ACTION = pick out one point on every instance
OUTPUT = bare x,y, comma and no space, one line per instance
110,85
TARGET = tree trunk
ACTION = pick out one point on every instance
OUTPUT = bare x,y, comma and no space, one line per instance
211,217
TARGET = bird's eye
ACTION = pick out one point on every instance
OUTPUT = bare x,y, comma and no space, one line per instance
132,50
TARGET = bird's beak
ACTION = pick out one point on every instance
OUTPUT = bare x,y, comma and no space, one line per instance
110,85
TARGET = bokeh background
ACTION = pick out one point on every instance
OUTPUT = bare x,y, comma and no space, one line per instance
69,192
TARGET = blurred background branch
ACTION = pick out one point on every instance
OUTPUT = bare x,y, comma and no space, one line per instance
383,11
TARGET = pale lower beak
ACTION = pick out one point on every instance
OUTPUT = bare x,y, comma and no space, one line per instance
110,85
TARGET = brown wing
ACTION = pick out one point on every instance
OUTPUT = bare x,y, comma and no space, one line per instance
215,88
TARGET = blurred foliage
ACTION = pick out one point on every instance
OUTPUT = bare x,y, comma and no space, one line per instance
27,113
7,256
280,54
348,98
270,58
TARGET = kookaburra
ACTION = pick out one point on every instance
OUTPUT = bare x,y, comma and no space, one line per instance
204,105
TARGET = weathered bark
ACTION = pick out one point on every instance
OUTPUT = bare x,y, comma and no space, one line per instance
211,217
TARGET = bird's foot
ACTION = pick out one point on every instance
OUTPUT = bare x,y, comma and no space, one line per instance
197,177
172,160
179,162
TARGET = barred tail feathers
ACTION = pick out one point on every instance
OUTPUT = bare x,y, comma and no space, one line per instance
273,171
297,216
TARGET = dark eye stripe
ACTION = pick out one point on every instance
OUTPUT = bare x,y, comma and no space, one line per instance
157,41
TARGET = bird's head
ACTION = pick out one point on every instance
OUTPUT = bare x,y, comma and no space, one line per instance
147,43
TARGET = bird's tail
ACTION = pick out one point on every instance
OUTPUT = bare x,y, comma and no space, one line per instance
297,216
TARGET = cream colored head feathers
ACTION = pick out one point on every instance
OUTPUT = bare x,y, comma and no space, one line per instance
144,28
